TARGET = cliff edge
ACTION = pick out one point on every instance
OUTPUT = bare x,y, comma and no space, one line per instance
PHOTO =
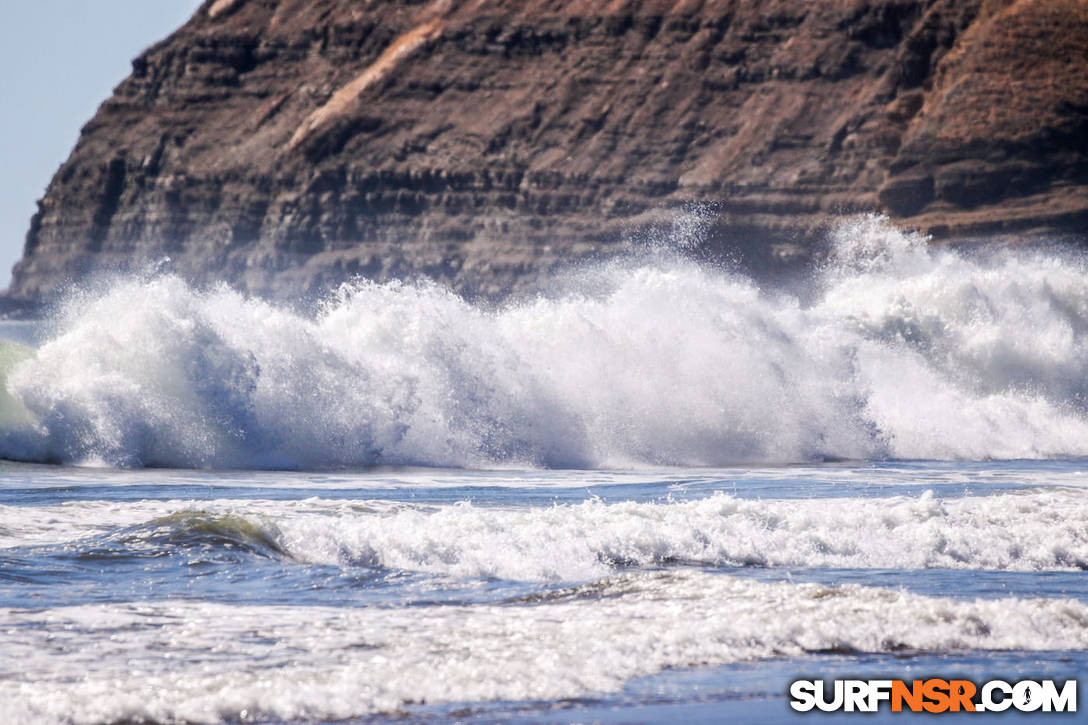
284,145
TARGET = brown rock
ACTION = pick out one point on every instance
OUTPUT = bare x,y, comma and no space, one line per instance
286,145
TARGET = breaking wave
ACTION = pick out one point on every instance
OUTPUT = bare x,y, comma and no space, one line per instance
1022,531
1035,532
902,351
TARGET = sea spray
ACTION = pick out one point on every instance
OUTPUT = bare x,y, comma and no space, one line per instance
902,351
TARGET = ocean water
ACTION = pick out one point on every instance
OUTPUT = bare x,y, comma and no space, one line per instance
659,492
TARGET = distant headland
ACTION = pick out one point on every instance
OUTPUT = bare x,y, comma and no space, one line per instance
284,145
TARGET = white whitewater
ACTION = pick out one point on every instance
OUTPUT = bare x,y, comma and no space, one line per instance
1025,531
901,351
323,664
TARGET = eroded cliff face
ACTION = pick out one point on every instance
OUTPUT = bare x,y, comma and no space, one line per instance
284,145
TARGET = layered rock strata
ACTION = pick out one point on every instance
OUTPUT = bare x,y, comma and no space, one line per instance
284,145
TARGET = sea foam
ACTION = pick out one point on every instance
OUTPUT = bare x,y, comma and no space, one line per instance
897,350
105,663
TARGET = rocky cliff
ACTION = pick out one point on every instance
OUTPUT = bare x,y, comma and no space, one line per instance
286,144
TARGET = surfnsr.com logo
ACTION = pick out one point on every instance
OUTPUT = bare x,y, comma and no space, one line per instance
933,695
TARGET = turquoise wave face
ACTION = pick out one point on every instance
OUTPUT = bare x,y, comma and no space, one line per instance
13,415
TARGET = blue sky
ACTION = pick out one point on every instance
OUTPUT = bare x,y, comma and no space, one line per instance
59,59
